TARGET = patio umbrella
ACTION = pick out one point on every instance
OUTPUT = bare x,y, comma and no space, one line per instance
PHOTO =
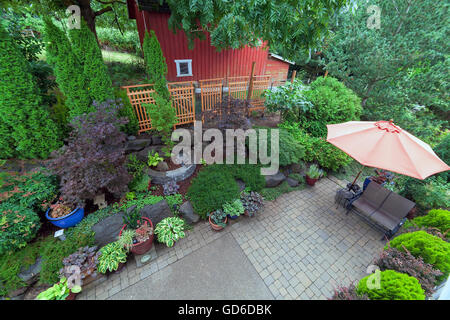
384,145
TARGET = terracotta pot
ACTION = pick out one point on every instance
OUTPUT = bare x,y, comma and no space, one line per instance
311,181
141,247
246,213
215,226
71,296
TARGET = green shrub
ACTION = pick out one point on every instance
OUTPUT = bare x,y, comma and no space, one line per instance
126,111
318,149
211,189
290,150
432,249
33,190
332,102
26,129
126,41
298,177
250,174
437,218
18,226
393,286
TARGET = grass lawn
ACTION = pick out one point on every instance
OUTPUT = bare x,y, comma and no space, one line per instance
122,57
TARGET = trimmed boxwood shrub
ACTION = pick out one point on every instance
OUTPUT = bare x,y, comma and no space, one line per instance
393,286
211,189
436,218
18,225
432,249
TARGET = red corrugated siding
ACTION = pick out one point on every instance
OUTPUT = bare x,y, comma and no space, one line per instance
207,63
277,69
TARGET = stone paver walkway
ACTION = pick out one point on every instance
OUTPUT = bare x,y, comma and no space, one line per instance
300,245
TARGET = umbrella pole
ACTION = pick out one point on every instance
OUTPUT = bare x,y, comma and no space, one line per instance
354,181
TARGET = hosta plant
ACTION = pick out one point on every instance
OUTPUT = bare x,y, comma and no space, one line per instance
18,225
170,230
218,218
111,256
59,291
393,285
234,209
252,202
153,159
85,261
405,262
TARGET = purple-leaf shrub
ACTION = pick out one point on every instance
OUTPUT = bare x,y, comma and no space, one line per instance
94,157
405,262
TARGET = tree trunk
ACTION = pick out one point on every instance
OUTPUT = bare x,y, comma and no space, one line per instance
89,15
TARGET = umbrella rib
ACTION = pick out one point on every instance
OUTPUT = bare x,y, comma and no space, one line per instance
409,157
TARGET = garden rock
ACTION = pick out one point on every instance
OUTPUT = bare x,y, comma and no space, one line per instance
156,140
31,274
275,180
137,145
241,184
292,182
108,229
188,213
162,166
131,138
156,212
296,168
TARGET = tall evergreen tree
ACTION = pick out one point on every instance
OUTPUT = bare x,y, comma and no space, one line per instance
155,64
68,70
26,130
84,44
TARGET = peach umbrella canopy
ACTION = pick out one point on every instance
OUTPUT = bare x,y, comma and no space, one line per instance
384,145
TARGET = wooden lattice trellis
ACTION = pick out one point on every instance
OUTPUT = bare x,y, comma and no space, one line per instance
257,99
211,93
182,99
238,87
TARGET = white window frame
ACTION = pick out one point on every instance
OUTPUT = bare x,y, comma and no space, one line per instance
189,62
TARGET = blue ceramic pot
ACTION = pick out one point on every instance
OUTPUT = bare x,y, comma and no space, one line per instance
67,221
232,217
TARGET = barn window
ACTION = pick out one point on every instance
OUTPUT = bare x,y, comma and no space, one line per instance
184,68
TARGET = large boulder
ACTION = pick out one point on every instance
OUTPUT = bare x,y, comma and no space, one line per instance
274,180
156,212
157,140
107,230
31,274
137,145
292,182
188,213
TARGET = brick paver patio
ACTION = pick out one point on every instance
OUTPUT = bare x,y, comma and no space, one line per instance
301,246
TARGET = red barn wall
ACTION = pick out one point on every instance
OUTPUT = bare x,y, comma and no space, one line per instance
207,62
277,69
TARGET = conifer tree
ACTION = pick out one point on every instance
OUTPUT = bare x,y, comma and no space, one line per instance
155,64
26,130
84,44
68,70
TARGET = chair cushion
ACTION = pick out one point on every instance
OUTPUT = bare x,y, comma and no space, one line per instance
364,206
385,219
375,194
397,206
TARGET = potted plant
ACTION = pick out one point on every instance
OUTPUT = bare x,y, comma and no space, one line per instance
142,237
61,215
81,264
233,209
60,291
112,258
170,230
252,202
218,220
313,174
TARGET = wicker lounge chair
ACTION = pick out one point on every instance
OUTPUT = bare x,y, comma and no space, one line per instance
381,208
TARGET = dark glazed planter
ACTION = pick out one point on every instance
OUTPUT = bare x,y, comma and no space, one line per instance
141,247
310,181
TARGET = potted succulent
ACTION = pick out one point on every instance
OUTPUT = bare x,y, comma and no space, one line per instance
252,202
233,209
60,291
170,230
142,237
313,174
218,220
81,264
61,215
112,258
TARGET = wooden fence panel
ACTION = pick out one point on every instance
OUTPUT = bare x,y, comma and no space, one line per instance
211,93
238,86
260,85
139,95
183,100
